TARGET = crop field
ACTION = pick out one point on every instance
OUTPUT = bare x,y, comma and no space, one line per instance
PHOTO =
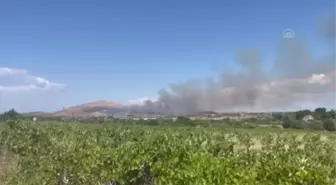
77,154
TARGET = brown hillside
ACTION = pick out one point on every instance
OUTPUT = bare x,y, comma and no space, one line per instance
86,110
38,114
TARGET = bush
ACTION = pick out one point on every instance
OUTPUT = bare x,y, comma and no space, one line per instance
315,125
287,124
295,124
152,122
248,125
299,124
10,115
203,123
185,121
329,125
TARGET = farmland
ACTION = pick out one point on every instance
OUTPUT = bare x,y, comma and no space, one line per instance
92,154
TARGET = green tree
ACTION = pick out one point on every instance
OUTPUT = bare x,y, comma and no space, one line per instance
184,121
315,125
287,123
152,122
10,115
204,123
329,125
299,115
299,124
320,113
278,117
331,114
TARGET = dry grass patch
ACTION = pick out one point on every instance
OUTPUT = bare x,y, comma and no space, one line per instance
8,163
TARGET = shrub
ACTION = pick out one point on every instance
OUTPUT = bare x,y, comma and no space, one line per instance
299,124
287,124
185,121
315,125
329,125
248,125
10,115
203,123
152,122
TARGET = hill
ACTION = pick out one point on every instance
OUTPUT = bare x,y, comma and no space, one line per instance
88,109
38,114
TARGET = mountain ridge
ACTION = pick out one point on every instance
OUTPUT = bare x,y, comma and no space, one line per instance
87,109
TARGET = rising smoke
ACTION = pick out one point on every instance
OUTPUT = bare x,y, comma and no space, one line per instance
296,77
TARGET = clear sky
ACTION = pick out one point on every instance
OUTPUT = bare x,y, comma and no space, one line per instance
124,50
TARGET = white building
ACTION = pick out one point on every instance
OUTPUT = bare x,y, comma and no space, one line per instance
308,118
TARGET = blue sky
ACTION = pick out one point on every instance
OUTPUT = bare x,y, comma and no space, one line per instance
123,50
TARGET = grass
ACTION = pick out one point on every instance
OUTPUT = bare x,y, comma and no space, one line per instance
8,163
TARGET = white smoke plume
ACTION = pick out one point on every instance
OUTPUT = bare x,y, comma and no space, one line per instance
296,78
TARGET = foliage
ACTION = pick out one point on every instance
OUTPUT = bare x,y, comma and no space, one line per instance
315,125
287,124
277,117
163,155
184,121
299,115
152,122
299,124
10,115
294,124
329,125
319,113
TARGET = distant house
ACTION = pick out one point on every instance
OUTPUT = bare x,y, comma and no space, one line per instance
308,118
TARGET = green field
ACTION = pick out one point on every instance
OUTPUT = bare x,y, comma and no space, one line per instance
78,154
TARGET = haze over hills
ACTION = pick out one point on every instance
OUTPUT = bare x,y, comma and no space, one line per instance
96,108
102,108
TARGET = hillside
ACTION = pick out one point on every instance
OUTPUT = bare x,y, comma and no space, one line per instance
88,109
38,114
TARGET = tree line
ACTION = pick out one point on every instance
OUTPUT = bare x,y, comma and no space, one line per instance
323,119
